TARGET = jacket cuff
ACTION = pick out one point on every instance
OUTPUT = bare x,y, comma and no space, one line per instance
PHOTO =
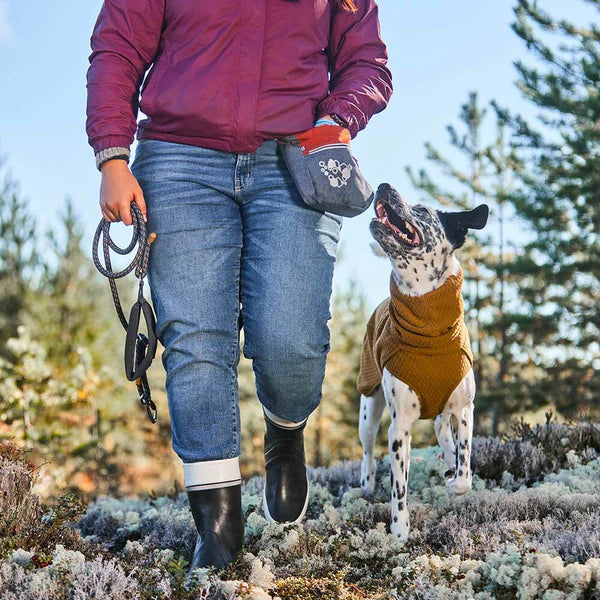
110,141
341,109
110,153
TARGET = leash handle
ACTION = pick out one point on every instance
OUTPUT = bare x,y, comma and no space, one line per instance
139,349
131,347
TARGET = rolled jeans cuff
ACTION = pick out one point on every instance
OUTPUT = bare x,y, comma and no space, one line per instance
285,423
207,474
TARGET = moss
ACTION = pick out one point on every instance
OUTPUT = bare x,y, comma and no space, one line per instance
323,588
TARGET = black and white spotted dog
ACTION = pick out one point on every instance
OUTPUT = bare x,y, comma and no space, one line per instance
419,241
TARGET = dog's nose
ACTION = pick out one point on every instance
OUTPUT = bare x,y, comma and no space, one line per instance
384,187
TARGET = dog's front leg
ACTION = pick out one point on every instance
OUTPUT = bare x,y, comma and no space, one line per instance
405,410
371,410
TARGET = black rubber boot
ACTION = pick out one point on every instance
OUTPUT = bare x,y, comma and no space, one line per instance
285,495
220,523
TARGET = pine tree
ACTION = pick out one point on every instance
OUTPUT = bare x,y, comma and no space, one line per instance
19,259
73,305
562,202
24,387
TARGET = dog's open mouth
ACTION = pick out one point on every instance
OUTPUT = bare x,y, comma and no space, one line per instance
401,228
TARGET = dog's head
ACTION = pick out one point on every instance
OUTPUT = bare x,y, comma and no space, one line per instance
419,239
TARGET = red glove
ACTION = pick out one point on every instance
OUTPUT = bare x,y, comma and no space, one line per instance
322,136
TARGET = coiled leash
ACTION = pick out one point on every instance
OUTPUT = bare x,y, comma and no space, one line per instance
139,348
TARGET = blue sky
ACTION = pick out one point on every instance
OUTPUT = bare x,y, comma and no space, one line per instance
438,51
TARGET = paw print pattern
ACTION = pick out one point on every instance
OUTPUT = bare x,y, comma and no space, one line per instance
336,171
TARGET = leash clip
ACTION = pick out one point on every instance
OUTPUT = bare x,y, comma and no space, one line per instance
145,400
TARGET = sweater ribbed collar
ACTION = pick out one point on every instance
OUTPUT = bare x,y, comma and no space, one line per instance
429,320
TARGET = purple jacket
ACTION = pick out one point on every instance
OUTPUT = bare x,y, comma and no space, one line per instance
229,74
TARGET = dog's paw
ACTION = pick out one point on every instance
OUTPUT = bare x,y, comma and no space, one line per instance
400,531
459,485
367,477
367,487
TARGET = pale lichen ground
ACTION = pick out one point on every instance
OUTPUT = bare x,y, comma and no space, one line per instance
521,533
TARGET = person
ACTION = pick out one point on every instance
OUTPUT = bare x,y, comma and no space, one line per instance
229,78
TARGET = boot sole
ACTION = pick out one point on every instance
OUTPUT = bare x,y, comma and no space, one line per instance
268,516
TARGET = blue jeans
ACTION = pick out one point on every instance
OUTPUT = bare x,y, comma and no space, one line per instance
231,228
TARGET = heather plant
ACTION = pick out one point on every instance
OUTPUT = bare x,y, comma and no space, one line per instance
23,520
505,539
346,533
533,451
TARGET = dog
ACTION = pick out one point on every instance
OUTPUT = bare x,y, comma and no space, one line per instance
426,277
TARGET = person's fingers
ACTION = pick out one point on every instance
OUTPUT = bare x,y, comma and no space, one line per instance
110,215
125,212
139,200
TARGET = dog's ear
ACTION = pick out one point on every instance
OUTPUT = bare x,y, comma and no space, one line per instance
478,216
456,224
378,250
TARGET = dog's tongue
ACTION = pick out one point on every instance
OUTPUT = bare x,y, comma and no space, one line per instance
380,210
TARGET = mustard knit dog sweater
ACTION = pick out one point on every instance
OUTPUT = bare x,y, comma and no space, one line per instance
422,340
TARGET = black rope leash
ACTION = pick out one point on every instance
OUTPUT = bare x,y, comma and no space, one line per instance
139,348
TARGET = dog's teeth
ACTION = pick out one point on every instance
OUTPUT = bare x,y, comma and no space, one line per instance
409,239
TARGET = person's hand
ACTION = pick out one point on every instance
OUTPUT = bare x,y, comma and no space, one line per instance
118,188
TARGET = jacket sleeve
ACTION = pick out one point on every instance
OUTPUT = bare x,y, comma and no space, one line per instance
360,82
124,42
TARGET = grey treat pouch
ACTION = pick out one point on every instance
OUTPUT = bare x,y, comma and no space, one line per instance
325,172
